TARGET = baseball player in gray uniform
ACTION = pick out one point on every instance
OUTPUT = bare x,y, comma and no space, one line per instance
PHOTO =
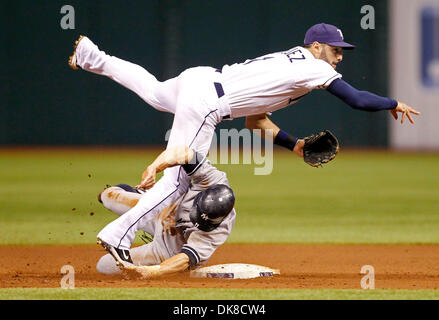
201,97
186,233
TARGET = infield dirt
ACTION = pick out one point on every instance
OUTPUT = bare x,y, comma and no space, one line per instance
301,266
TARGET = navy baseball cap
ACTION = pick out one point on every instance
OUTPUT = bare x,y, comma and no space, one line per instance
328,34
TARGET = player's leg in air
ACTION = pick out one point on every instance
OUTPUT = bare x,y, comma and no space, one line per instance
196,132
160,95
120,198
192,97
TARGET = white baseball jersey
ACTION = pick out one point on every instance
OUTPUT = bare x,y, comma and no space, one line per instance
200,98
274,81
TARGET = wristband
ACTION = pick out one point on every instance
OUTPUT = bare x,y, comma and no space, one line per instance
193,165
285,140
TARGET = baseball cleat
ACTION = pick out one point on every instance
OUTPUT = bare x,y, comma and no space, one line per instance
122,257
72,58
100,196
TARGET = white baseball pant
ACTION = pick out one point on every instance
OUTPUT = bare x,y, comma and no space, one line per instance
161,248
194,100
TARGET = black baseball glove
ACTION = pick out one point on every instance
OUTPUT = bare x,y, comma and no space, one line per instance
320,148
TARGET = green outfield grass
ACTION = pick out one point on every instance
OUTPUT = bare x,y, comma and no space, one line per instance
50,197
361,197
214,294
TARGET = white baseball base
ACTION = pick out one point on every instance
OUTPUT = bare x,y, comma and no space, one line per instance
234,271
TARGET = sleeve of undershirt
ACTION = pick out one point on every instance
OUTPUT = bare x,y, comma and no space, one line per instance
194,164
361,100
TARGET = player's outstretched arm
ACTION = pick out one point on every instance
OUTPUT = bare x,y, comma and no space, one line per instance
277,136
174,264
366,101
169,158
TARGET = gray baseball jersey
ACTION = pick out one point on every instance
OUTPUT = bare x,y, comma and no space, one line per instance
198,245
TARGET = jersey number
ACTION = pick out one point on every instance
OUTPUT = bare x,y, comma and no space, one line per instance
257,59
295,54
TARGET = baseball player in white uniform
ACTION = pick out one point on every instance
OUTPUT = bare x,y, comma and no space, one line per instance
201,97
186,233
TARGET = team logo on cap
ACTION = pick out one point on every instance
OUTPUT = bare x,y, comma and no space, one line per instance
204,216
341,34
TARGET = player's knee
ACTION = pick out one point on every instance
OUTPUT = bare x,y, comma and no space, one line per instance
123,186
107,265
119,199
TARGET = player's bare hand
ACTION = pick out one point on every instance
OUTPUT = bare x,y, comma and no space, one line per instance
405,111
141,272
298,148
148,178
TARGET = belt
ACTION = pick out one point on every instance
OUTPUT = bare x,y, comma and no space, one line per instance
220,92
219,89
